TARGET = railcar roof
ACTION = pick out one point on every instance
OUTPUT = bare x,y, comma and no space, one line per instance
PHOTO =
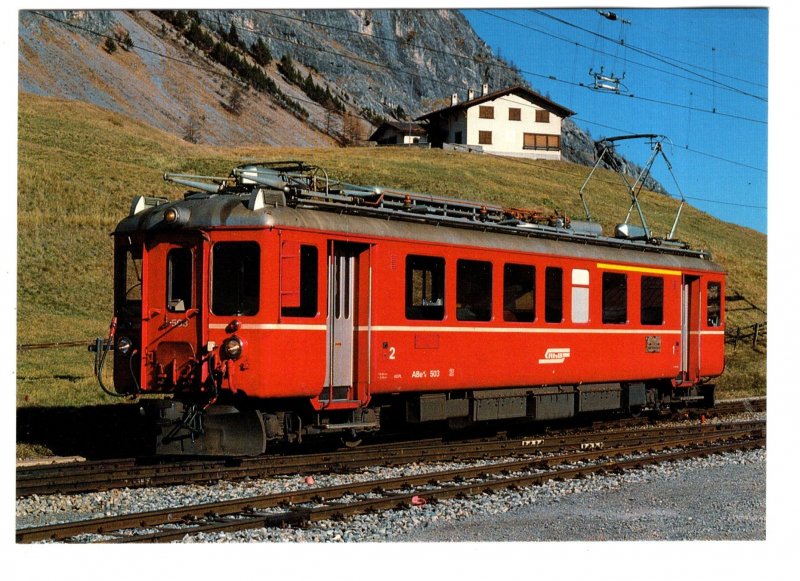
211,211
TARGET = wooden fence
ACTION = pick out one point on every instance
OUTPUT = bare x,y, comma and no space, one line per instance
755,334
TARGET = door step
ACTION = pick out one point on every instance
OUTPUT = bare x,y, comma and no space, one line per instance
353,402
347,426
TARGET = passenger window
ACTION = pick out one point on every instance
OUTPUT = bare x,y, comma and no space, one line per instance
652,312
553,295
580,295
179,280
473,290
424,288
235,278
615,298
714,304
309,281
519,293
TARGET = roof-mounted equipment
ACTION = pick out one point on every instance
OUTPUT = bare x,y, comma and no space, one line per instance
626,230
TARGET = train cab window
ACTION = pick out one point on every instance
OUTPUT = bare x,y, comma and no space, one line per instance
473,290
652,311
714,304
129,279
424,288
309,281
235,278
615,298
519,293
553,294
179,280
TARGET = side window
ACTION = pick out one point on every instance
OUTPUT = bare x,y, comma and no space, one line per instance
424,288
652,300
235,278
309,280
615,298
714,304
473,290
553,295
519,293
580,295
179,280
129,279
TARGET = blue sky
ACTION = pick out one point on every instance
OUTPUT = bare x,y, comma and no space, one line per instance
697,76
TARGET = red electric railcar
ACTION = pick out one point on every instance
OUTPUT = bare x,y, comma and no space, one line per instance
276,303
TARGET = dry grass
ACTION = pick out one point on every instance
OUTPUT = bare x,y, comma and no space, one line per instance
79,167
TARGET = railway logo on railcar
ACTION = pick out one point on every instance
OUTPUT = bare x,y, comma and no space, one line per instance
555,355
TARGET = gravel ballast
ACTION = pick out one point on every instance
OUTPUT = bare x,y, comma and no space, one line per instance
721,497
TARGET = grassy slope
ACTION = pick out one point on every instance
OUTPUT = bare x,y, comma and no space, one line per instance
79,167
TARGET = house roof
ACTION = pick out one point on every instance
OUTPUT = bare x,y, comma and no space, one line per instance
405,128
518,89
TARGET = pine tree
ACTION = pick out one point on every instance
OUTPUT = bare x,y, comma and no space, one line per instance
233,36
260,52
235,101
110,45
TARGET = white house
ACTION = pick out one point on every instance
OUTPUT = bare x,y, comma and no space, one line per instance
514,121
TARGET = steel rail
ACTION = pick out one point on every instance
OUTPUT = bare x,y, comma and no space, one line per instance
65,479
229,509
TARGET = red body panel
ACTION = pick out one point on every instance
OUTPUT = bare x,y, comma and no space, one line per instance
288,357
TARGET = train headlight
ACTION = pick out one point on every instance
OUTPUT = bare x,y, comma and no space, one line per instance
232,348
124,345
171,215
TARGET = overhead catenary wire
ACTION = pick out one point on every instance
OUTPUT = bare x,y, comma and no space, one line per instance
452,85
680,65
548,77
598,50
214,71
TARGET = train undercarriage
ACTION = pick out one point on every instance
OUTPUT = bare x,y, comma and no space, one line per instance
247,428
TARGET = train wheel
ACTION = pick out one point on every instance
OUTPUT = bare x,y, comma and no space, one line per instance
351,439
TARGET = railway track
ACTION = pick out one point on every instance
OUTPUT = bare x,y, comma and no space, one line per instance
308,505
80,477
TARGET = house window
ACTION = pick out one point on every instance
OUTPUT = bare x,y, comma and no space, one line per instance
424,288
652,310
485,137
519,293
542,116
486,112
553,295
473,290
615,298
514,114
541,141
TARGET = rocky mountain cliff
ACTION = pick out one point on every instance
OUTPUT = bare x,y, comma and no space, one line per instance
309,78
